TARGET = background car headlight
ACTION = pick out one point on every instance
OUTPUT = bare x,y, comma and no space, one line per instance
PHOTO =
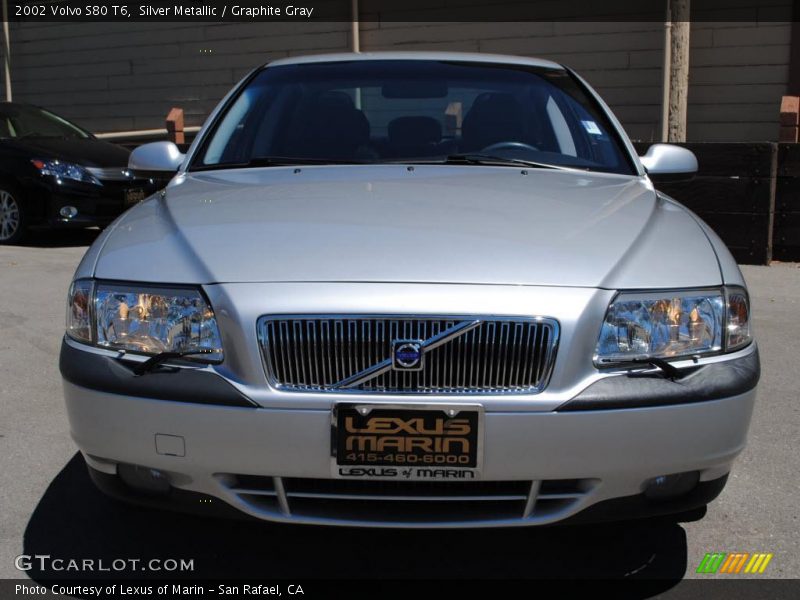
676,324
65,170
143,319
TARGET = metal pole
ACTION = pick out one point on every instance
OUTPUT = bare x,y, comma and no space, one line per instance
679,69
355,42
666,76
354,33
6,51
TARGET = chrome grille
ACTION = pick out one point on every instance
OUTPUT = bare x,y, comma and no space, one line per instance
493,355
110,173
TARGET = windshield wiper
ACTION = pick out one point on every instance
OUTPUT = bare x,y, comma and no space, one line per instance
452,159
472,158
153,362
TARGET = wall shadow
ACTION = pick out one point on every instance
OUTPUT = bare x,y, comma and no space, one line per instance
74,520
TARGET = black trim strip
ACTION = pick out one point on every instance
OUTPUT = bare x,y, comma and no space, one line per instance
640,390
107,374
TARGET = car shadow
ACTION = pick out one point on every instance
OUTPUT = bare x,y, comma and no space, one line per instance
75,521
60,238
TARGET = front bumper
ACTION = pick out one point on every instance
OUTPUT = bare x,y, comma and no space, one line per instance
616,509
96,205
274,463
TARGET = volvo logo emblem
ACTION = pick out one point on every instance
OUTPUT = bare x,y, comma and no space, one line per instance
407,355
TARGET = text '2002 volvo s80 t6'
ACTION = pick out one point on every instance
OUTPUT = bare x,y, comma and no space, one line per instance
413,290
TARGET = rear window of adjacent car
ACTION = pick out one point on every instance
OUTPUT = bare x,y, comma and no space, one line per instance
21,121
377,111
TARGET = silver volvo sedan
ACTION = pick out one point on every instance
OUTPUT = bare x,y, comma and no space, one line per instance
411,290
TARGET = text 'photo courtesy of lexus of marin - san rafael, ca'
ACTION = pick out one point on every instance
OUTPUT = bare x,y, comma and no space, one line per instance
411,290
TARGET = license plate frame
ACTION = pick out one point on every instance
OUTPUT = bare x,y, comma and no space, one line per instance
134,196
386,432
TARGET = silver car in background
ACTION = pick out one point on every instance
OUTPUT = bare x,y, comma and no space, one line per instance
411,290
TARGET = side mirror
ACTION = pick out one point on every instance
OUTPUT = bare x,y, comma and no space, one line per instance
156,159
665,162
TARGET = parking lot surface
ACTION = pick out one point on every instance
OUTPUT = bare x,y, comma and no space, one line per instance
50,507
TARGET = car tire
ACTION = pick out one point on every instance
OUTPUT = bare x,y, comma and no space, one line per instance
13,215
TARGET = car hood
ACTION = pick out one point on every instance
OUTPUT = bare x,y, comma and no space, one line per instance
88,152
388,223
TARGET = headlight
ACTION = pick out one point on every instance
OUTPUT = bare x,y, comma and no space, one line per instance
65,170
79,308
738,326
143,319
668,325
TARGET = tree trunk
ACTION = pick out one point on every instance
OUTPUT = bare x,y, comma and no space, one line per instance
679,69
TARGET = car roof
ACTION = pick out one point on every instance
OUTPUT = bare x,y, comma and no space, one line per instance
475,57
4,103
5,107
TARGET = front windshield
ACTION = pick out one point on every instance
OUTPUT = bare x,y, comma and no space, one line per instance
377,111
19,121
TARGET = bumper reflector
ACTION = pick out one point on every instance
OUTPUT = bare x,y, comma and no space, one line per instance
666,487
144,479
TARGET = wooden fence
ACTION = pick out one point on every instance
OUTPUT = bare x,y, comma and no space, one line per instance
786,229
749,193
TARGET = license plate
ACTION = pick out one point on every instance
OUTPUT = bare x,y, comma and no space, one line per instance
431,442
134,196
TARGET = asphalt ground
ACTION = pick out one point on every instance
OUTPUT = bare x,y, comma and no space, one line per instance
48,505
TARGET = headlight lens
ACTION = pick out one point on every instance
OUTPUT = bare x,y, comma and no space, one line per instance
143,319
738,328
666,325
79,308
65,170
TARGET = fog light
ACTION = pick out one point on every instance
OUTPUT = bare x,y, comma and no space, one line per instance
68,212
144,479
666,487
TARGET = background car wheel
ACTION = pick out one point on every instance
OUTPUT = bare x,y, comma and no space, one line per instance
13,225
